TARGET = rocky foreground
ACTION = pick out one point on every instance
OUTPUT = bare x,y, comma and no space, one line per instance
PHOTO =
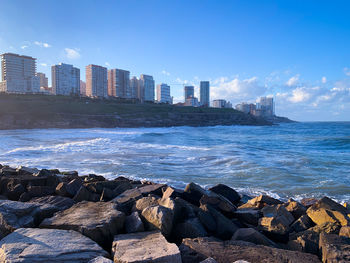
53,216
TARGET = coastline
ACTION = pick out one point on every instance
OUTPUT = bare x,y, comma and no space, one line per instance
187,225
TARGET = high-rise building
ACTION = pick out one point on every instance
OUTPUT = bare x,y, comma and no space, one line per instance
44,82
18,74
82,88
188,92
219,103
146,88
65,79
204,93
163,93
134,85
265,106
96,81
119,83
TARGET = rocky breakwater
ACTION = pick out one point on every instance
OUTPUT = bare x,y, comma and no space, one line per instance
53,216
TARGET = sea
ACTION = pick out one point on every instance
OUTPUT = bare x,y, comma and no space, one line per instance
292,160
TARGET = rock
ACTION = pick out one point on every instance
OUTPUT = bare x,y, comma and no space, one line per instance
159,217
295,208
328,228
61,189
210,260
193,193
304,222
14,191
184,209
8,171
43,173
248,216
224,228
253,236
219,203
16,215
133,223
32,245
100,259
191,228
143,248
61,203
22,170
345,231
334,248
39,191
99,221
145,202
122,187
73,187
276,222
127,199
306,241
259,202
152,189
171,192
326,210
99,186
226,192
307,202
107,194
25,197
198,249
84,194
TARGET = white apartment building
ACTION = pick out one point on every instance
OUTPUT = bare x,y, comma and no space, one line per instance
146,88
65,79
204,93
96,81
265,106
18,74
163,93
119,83
221,104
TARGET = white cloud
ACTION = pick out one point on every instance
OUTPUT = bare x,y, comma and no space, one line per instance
299,95
347,71
43,64
42,44
293,80
164,72
324,80
24,47
72,53
107,64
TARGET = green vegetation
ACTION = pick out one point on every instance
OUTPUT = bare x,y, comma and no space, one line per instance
39,105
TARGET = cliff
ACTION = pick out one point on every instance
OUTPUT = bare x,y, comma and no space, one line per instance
42,111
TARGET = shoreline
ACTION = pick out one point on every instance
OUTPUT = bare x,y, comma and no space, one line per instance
187,225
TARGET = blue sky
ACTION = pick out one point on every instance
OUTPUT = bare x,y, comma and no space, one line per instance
297,51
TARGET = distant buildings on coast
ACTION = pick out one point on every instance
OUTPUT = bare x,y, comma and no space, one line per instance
19,76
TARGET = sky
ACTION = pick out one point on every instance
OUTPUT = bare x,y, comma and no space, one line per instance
294,50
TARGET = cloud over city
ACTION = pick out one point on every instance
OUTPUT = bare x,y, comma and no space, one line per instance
42,44
72,53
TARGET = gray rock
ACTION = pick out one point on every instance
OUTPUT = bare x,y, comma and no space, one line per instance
100,259
304,222
334,248
84,194
227,192
99,221
158,217
145,202
144,247
73,187
209,260
32,245
248,216
61,203
253,236
133,223
26,170
191,228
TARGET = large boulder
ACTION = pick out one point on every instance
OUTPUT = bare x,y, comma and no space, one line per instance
326,210
248,216
144,247
99,221
295,208
306,241
253,236
133,223
227,192
198,249
158,217
145,202
345,231
16,215
61,203
334,248
32,245
304,222
259,202
191,228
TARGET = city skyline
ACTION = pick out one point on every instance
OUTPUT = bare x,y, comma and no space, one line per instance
295,52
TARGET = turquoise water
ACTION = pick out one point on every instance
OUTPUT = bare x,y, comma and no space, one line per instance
290,160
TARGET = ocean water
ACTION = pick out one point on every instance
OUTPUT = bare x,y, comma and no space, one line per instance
289,160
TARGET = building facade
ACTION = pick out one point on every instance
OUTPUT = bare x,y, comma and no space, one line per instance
146,88
188,92
82,88
163,93
204,93
44,81
191,101
18,74
65,79
134,86
96,81
221,104
265,107
119,83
